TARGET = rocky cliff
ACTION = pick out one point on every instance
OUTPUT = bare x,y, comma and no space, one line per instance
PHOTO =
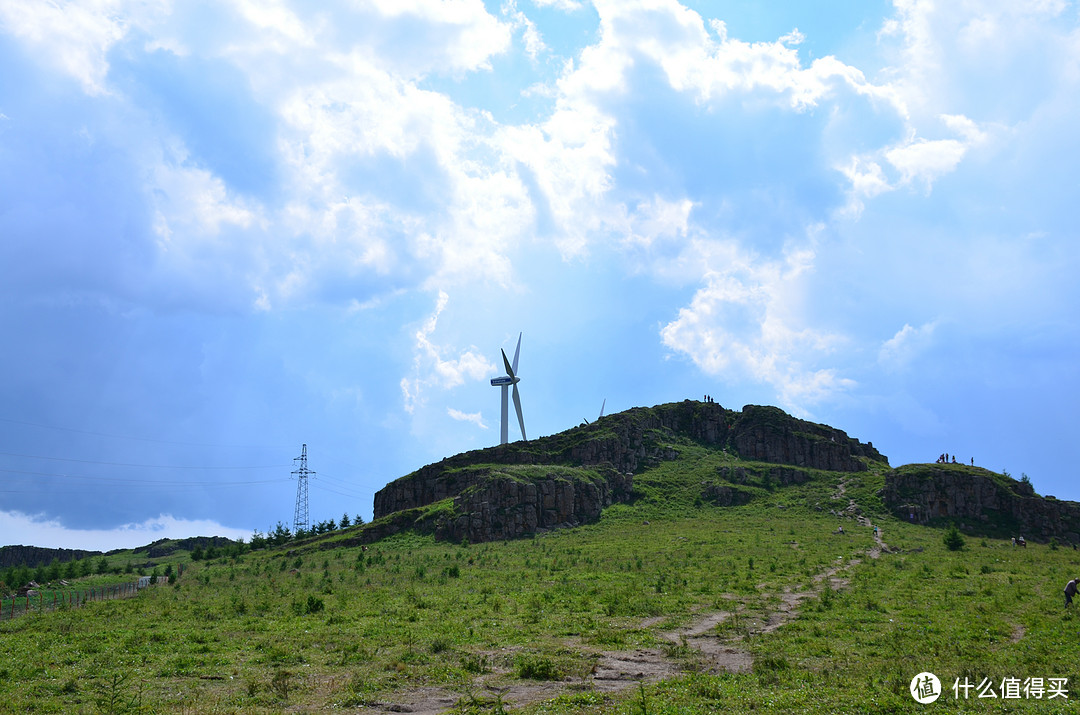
568,478
980,500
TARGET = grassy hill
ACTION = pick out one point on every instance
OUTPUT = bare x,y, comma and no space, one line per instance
667,604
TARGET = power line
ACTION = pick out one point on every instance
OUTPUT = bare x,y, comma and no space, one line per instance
142,466
137,439
145,482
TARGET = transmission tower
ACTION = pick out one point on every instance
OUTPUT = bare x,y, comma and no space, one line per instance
300,515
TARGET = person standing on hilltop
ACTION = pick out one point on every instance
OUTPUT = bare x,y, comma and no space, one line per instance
1070,591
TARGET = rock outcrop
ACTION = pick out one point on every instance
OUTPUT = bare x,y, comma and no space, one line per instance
979,500
568,478
504,507
767,434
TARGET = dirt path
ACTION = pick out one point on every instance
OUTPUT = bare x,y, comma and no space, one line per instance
699,646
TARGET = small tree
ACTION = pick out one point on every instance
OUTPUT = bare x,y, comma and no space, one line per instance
953,540
345,523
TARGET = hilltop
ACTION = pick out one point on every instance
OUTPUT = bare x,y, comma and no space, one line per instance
569,478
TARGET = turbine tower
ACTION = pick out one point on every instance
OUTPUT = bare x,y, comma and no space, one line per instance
511,378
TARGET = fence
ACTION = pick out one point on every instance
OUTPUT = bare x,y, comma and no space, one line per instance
42,602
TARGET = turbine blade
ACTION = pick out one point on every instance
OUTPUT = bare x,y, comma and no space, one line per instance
509,370
517,406
516,352
602,407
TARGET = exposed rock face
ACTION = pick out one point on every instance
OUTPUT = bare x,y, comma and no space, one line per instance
978,498
489,505
767,434
505,508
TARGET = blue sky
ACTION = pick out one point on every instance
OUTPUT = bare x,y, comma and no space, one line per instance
229,229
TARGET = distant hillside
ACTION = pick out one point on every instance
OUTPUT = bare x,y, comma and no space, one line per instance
34,556
166,547
568,478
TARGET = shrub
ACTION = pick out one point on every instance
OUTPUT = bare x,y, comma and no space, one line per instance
953,540
312,605
536,667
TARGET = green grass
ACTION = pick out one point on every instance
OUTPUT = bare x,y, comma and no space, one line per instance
305,628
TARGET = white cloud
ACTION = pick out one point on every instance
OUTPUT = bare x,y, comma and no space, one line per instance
564,5
742,324
195,202
867,180
466,35
898,352
926,160
38,530
272,16
534,42
431,370
474,417
657,219
369,116
73,36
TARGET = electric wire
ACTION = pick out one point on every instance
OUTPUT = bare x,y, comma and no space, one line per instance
143,482
142,466
137,439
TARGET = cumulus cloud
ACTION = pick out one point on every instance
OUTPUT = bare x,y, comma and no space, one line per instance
431,370
898,352
474,417
75,36
37,530
926,160
453,35
740,325
564,5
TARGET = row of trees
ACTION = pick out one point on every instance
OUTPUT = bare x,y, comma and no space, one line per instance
281,534
15,576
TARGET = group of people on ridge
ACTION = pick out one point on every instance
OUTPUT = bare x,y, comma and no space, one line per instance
944,459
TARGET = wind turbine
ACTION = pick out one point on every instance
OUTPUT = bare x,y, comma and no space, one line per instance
602,406
505,382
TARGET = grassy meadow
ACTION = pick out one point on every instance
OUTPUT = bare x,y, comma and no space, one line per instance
317,626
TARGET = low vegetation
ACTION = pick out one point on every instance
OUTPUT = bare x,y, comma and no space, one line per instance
312,626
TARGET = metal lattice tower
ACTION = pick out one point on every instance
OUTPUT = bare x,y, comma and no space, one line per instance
300,515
